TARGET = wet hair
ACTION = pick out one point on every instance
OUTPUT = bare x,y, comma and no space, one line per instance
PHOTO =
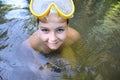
38,20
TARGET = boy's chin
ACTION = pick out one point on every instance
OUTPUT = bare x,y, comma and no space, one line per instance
53,48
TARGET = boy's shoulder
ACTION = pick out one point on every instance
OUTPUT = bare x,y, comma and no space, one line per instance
72,36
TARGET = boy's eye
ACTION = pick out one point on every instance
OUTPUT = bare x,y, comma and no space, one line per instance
45,30
60,30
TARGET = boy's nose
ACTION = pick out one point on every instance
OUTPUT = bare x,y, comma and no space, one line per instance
52,37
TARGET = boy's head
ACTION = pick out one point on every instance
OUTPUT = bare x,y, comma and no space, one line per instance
52,30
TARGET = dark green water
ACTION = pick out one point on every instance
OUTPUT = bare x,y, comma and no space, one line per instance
98,50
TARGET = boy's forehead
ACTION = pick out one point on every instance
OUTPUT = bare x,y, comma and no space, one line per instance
51,18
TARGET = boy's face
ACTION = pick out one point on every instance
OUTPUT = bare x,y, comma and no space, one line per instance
53,31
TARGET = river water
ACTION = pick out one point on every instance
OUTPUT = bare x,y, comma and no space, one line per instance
97,52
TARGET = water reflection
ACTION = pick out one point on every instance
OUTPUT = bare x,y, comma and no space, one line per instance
98,52
16,9
19,13
15,4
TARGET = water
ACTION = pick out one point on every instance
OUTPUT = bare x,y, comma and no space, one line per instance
16,9
97,52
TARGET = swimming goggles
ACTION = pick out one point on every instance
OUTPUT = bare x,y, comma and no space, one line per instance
40,8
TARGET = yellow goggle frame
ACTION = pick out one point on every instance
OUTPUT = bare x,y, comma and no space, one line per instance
48,10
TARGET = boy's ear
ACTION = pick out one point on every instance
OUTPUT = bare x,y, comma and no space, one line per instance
67,21
37,21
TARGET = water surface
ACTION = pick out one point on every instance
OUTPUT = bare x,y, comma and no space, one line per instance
97,52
